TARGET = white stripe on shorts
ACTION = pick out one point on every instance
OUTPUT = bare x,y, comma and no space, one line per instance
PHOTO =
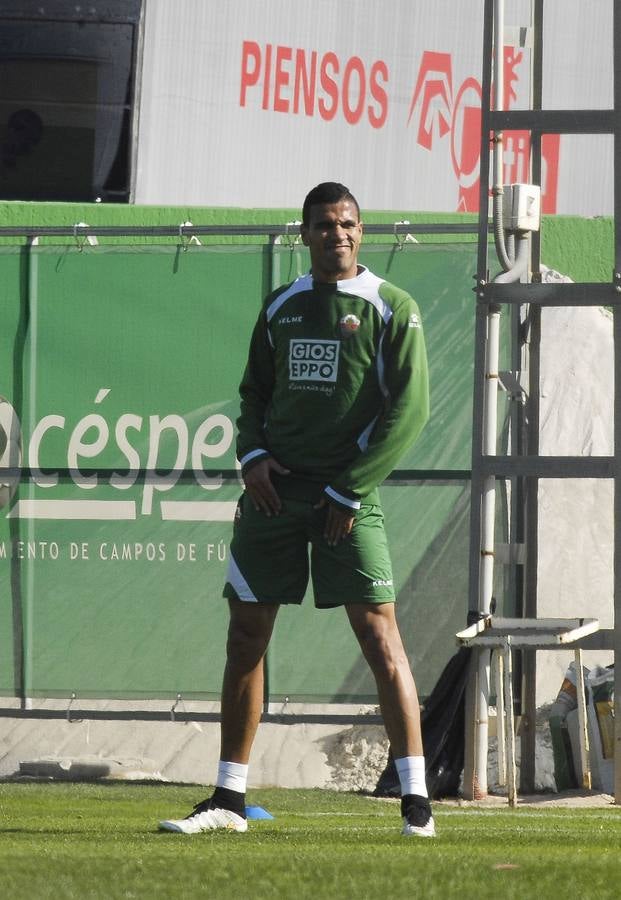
239,583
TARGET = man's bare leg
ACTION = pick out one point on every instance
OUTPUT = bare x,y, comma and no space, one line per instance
250,630
376,628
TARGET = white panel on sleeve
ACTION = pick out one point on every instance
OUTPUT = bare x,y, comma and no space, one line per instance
251,455
346,501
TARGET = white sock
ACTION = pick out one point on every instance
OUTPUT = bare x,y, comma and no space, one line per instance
233,776
411,771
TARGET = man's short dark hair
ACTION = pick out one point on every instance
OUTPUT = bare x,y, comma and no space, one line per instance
327,192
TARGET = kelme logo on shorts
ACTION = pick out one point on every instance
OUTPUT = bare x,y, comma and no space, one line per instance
313,360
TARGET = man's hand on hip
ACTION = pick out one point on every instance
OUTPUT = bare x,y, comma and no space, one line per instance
259,487
339,522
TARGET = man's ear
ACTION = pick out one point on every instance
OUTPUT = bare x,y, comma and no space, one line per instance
304,234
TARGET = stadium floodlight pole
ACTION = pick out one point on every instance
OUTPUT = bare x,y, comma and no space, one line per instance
511,226
490,413
488,503
504,249
490,419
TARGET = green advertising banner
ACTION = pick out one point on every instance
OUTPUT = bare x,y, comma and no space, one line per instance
120,361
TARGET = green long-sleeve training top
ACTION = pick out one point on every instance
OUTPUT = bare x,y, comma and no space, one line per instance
336,386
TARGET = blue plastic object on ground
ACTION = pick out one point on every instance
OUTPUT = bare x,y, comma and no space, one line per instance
257,812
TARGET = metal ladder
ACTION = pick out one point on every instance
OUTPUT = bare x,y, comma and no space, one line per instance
525,467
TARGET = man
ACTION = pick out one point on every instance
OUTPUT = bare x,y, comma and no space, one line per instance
334,391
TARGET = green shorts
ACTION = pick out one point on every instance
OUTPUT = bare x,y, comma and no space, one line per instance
269,560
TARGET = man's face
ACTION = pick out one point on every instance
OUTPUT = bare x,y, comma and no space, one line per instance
333,236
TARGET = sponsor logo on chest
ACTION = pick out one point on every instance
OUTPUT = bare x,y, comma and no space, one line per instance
313,360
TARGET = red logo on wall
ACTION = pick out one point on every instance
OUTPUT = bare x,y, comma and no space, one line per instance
354,91
445,114
300,82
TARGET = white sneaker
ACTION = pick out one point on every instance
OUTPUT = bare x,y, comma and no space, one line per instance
417,818
206,817
428,830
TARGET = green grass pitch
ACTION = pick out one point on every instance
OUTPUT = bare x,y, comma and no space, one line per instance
61,840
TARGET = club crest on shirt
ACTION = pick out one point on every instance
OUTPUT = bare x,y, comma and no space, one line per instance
413,321
349,325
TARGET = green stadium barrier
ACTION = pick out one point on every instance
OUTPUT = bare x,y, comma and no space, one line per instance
118,360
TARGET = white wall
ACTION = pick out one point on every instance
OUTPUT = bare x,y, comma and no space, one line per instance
221,125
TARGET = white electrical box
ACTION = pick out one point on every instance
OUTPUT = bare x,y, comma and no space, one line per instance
521,207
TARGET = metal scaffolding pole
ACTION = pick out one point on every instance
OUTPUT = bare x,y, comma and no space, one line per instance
617,382
524,467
